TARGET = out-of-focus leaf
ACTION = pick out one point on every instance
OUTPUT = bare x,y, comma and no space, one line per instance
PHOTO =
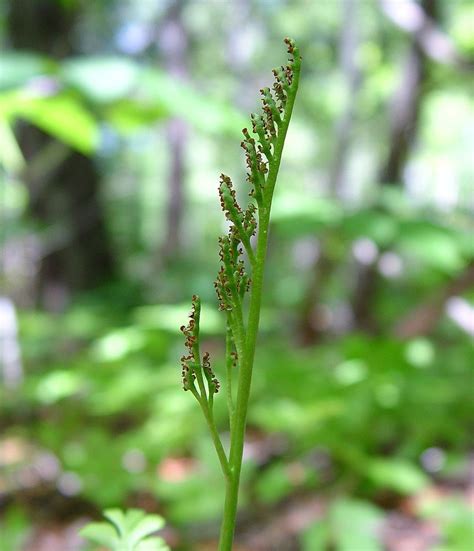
420,352
350,372
14,529
274,484
117,344
117,518
130,531
127,115
431,245
57,385
10,154
16,68
101,79
456,519
354,525
131,95
377,226
170,317
101,533
316,537
187,502
145,527
298,214
62,115
179,99
105,80
397,474
296,418
152,544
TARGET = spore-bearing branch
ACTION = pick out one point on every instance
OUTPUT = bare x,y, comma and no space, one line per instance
240,273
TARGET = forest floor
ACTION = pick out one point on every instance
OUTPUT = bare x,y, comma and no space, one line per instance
404,526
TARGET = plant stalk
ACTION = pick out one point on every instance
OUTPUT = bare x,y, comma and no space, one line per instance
246,365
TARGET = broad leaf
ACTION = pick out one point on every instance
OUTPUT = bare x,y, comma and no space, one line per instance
397,474
63,116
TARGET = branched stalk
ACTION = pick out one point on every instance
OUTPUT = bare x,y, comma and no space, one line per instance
263,155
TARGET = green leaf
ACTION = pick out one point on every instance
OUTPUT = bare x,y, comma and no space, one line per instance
354,525
127,115
62,116
101,79
456,520
316,537
101,533
16,68
274,484
397,474
11,156
132,519
297,214
168,317
435,246
130,531
179,99
117,518
377,226
145,527
152,544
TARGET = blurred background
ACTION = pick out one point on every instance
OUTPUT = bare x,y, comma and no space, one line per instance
116,118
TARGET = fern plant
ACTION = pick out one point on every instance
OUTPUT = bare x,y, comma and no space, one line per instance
242,254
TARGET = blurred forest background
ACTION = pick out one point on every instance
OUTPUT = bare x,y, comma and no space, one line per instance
116,118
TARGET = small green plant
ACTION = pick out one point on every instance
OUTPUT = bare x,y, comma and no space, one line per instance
126,531
242,270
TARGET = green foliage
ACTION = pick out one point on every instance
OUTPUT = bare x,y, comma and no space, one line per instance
72,99
348,525
126,531
14,529
352,415
16,68
49,113
397,475
456,520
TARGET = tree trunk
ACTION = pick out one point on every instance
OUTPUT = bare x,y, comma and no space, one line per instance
404,119
173,42
76,253
311,326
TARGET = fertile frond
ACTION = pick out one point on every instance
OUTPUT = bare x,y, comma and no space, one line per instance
242,254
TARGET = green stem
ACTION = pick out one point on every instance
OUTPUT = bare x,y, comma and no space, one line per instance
228,364
209,415
246,363
238,331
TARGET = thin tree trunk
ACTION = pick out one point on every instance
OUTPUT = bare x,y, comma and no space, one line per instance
174,44
405,114
76,254
404,122
310,328
348,63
